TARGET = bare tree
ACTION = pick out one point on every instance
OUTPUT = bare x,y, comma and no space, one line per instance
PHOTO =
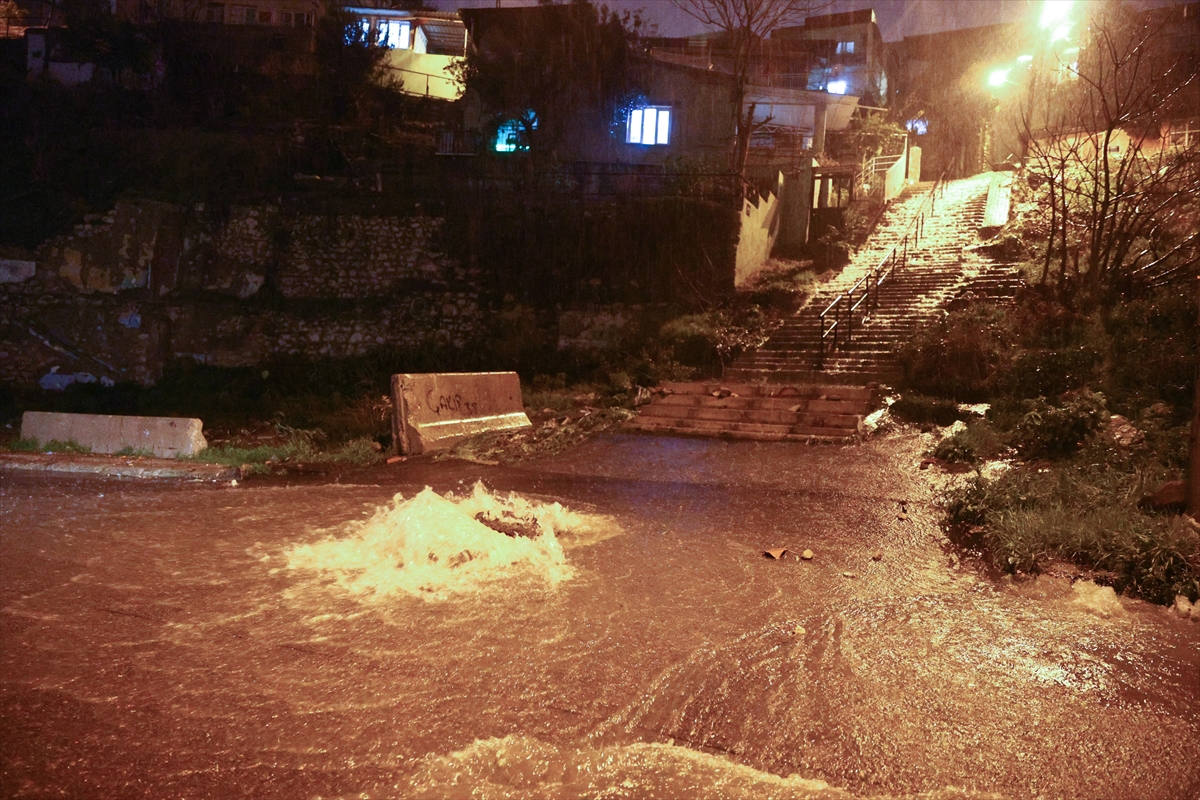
746,23
1120,185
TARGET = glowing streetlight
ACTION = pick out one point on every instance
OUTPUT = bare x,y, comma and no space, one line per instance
1061,32
998,77
1055,13
1025,59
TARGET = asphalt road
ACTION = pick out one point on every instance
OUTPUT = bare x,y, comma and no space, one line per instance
166,639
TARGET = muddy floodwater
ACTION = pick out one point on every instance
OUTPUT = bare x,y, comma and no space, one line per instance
332,640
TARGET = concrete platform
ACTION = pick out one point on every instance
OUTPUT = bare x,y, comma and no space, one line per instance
165,437
435,410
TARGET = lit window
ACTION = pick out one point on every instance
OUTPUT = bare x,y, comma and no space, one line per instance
918,126
649,125
394,34
511,136
844,48
836,87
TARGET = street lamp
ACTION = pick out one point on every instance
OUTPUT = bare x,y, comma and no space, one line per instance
998,77
1055,13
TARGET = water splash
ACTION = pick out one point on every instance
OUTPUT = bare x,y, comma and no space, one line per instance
523,767
436,547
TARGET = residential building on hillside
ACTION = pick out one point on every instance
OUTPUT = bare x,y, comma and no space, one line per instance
423,47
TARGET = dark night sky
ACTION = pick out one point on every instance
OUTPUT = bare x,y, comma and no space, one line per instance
897,18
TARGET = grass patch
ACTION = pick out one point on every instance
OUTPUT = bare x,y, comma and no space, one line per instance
135,452
24,446
69,446
1082,509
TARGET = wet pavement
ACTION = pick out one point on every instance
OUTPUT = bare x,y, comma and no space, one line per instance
154,641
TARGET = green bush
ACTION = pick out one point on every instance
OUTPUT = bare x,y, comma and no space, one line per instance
979,441
717,336
1048,372
920,409
960,356
1083,509
1050,431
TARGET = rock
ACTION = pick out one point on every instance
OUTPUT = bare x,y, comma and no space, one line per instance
1122,432
1195,615
777,553
807,555
877,555
1171,493
1183,606
800,631
958,427
849,574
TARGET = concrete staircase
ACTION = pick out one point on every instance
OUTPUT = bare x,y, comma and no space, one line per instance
938,269
784,391
762,411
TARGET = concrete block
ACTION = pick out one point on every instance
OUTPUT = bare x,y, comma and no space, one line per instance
166,437
435,410
999,200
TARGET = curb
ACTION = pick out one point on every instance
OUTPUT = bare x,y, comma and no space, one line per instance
117,466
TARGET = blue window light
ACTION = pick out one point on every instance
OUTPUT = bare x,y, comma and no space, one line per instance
649,125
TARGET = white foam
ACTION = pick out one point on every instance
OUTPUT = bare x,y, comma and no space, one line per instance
432,546
529,769
1099,600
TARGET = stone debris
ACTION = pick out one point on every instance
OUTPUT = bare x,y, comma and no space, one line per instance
776,553
800,631
877,555
807,555
849,574
1185,608
1123,433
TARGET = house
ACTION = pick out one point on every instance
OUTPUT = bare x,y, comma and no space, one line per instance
846,54
423,47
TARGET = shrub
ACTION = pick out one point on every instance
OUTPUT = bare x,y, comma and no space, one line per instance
977,442
960,356
918,408
1083,509
1049,431
720,335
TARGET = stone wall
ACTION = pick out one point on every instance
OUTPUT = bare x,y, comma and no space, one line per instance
130,291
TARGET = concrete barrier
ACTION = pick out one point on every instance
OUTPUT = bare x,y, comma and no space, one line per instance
999,200
166,437
433,411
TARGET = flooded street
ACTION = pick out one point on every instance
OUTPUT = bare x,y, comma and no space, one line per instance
163,640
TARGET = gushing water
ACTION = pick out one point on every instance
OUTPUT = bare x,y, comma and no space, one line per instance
436,547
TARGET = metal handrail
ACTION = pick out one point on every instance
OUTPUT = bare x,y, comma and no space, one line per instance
844,306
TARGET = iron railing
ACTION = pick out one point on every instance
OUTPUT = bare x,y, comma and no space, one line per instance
837,320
